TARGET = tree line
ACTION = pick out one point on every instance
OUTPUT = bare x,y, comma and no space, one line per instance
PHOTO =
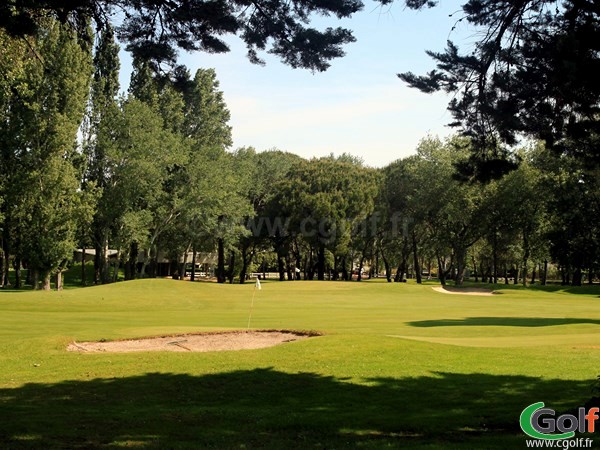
149,175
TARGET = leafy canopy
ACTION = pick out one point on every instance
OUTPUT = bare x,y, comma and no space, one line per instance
156,29
532,73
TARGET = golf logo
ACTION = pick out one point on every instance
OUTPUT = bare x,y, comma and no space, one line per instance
541,423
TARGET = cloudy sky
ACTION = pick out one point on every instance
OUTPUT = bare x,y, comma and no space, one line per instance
358,106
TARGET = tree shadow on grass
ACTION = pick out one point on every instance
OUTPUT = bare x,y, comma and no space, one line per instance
503,322
264,408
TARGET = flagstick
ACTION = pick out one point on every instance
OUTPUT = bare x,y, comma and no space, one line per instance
251,307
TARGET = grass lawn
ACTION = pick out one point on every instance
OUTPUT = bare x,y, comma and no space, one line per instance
399,365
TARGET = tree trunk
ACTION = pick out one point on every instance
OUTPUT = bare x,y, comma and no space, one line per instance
182,270
6,268
145,262
495,256
475,268
231,267
17,265
83,283
280,267
461,258
220,261
243,270
154,262
505,274
1,266
545,273
59,280
288,268
577,276
590,277
516,278
524,273
416,259
441,271
174,269
460,273
35,282
360,268
131,268
193,276
46,286
400,271
246,261
344,269
388,269
115,276
321,263
533,274
336,272
309,268
4,281
104,256
98,268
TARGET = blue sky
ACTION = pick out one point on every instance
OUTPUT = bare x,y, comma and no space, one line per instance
358,105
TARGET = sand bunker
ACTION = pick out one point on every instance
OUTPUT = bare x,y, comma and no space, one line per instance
195,342
463,291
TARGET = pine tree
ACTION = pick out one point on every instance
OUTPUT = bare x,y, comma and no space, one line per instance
532,74
155,30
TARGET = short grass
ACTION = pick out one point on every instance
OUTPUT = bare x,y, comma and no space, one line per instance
399,365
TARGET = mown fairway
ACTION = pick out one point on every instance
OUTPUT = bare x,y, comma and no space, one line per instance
399,366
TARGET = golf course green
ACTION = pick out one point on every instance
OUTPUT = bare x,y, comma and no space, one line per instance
397,365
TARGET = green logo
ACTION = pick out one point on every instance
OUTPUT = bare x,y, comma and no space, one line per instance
540,423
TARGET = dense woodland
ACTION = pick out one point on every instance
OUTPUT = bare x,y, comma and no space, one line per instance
151,174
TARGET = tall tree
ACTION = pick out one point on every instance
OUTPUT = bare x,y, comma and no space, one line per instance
102,107
325,198
140,157
14,61
157,29
531,73
265,223
44,121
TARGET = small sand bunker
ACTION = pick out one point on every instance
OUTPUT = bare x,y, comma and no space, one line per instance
196,342
463,291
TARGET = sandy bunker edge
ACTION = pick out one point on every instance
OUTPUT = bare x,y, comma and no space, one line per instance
464,290
196,342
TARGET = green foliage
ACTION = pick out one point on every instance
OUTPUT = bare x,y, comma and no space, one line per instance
41,120
530,73
207,115
325,200
156,30
438,212
139,155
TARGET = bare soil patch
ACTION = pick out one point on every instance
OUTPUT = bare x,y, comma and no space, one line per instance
463,291
196,342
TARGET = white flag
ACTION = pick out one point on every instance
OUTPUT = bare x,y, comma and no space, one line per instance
257,283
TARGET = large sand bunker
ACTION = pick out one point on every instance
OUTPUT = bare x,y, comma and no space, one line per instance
463,291
196,342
